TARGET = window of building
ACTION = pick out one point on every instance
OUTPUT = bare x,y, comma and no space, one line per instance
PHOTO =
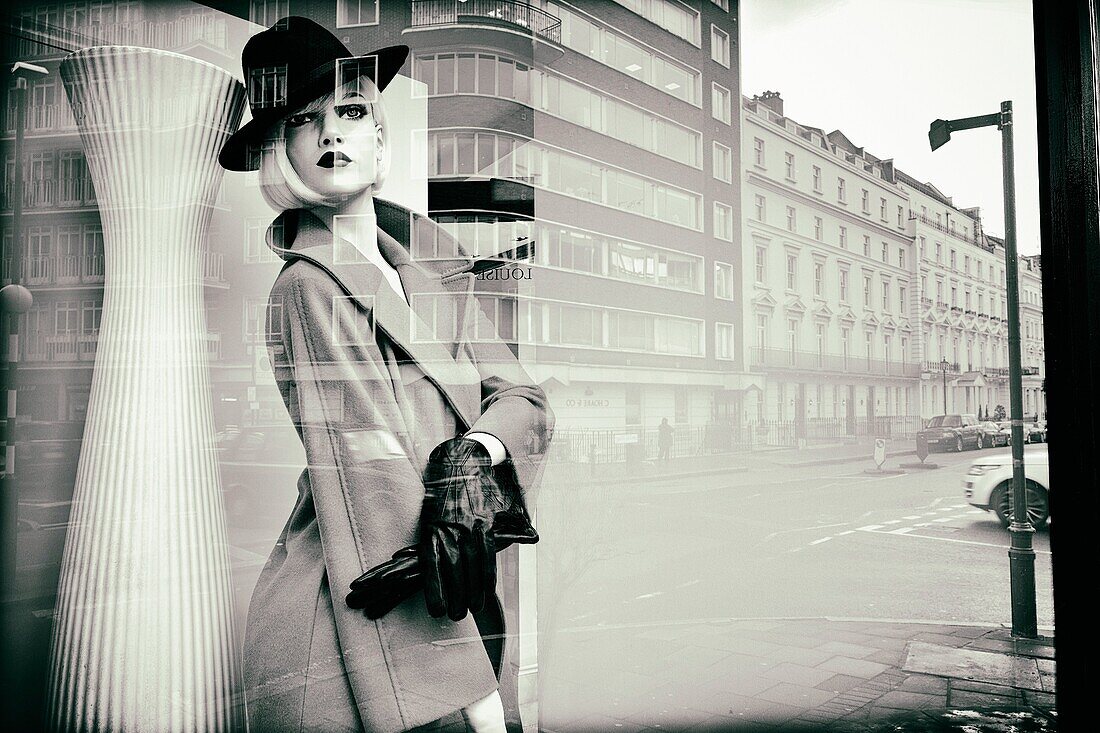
867,291
789,159
723,221
758,151
901,299
792,223
792,272
885,252
267,86
819,279
939,253
674,17
865,200
719,45
886,296
618,51
841,193
260,12
723,340
723,280
866,245
818,228
722,162
724,4
817,179
761,331
843,283
954,297
921,243
720,103
356,12
901,257
939,292
954,262
843,237
966,264
761,263
882,209
792,335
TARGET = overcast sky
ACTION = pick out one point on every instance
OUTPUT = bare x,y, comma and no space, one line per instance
882,70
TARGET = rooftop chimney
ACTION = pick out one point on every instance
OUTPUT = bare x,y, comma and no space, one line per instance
771,100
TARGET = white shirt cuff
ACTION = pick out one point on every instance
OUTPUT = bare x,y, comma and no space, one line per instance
492,443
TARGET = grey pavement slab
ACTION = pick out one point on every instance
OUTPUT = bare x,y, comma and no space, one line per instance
973,664
854,667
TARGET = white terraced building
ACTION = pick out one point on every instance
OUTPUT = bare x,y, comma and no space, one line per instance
866,289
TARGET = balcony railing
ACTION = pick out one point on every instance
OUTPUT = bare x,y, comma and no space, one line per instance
937,366
42,117
39,347
995,371
57,269
838,363
427,13
76,191
171,35
970,237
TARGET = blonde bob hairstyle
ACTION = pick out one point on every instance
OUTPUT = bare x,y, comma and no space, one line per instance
281,186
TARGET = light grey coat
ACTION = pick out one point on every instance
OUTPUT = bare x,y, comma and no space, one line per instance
372,386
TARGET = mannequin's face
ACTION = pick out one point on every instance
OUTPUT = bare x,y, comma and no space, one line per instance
335,145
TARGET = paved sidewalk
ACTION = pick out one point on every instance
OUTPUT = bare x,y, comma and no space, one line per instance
800,675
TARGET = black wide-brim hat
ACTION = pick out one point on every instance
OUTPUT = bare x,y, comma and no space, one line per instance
291,64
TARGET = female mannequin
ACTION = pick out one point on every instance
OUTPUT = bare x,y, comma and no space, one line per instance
369,400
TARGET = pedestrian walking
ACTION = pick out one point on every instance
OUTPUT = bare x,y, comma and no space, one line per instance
664,440
377,411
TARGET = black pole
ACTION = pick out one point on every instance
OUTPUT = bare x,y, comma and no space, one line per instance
1021,556
944,367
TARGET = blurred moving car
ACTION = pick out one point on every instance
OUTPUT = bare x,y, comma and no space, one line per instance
950,432
991,435
988,486
259,467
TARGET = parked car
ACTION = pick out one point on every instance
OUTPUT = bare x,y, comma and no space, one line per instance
950,432
988,485
1033,432
991,435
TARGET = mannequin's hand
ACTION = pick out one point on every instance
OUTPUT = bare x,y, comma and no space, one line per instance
456,551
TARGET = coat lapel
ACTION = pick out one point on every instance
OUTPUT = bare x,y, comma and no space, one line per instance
431,332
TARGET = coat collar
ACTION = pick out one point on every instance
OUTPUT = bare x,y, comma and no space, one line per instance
439,291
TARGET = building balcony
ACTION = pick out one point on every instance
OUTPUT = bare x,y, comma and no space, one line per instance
937,366
1000,372
62,270
41,39
511,21
1030,371
42,118
813,361
81,347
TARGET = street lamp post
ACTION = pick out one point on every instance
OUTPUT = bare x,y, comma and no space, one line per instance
1021,555
943,366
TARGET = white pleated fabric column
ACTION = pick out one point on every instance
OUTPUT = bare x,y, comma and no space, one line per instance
143,637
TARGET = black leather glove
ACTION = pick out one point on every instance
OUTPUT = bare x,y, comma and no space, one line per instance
471,511
457,557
